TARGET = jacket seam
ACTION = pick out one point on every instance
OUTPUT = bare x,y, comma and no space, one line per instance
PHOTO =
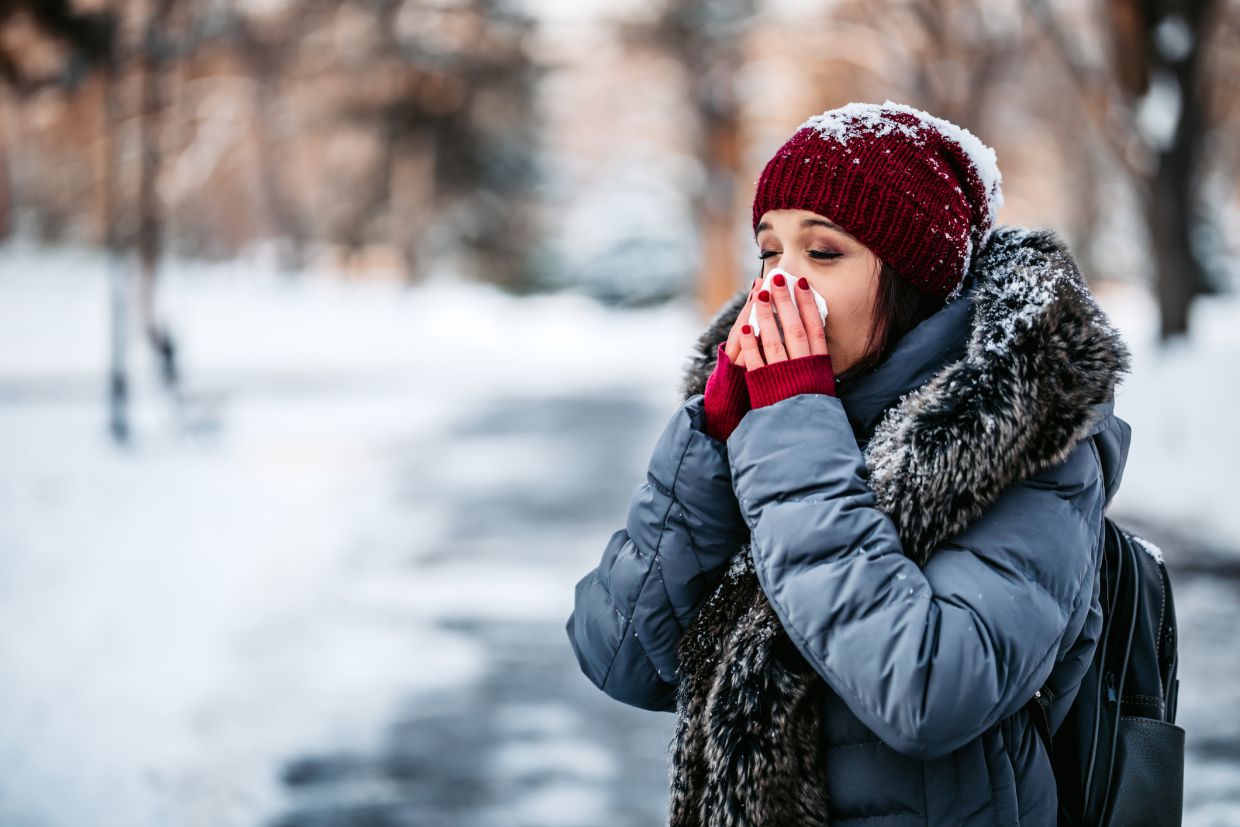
641,647
660,487
697,557
841,744
906,811
663,583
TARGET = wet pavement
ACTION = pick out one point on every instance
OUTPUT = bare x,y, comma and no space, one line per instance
530,741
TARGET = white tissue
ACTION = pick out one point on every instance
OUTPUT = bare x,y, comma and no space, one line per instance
791,281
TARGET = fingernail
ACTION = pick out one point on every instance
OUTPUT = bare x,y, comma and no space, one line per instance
803,283
778,279
764,295
746,329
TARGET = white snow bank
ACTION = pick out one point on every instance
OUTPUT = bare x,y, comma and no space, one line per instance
1184,461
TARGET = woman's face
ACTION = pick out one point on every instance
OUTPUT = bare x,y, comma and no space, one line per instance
838,266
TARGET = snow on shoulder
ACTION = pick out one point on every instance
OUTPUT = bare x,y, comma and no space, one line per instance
1148,547
845,122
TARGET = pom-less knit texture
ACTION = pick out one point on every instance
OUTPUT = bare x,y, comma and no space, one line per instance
731,391
780,380
726,396
920,192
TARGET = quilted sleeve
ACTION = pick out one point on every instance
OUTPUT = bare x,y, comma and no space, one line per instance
682,527
928,658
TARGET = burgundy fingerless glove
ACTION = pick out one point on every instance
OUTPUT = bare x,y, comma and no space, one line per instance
779,380
727,396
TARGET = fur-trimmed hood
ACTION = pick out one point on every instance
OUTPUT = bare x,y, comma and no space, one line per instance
1001,381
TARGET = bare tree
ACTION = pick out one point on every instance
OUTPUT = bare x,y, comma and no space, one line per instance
706,39
1150,104
153,61
87,41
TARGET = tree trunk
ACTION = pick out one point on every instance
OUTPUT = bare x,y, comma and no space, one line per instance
149,209
285,222
106,156
720,276
1174,187
6,184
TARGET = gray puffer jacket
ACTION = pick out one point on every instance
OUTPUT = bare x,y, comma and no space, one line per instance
992,422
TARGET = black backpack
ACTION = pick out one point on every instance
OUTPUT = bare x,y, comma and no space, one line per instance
1118,756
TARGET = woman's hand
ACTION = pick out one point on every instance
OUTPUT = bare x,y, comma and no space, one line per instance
727,388
803,333
733,345
792,362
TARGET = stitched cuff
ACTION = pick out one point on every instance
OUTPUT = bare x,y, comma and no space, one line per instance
780,380
727,396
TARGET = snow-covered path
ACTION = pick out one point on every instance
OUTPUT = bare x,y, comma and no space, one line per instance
529,741
331,588
289,565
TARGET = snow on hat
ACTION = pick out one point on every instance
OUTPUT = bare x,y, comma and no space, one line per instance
921,192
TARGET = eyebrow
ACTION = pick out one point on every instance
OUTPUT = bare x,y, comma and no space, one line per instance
806,222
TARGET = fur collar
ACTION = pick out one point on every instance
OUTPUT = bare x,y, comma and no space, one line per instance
1000,382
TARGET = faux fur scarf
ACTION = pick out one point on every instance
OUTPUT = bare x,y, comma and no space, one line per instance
749,746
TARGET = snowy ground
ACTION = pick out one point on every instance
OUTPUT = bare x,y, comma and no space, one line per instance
330,587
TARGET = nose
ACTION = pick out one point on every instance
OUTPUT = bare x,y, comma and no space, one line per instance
791,264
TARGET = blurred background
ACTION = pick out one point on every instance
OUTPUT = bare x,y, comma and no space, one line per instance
335,335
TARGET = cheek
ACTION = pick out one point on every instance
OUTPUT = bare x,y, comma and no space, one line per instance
856,290
846,305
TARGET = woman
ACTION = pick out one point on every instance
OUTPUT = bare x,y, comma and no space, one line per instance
860,549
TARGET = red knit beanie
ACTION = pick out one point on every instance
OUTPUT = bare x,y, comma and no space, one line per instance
918,191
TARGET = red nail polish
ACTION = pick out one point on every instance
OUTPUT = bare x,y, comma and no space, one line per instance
764,295
803,283
778,279
746,329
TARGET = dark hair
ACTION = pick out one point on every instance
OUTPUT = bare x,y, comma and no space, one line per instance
898,308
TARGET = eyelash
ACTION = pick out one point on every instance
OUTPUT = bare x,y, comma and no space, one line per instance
821,255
